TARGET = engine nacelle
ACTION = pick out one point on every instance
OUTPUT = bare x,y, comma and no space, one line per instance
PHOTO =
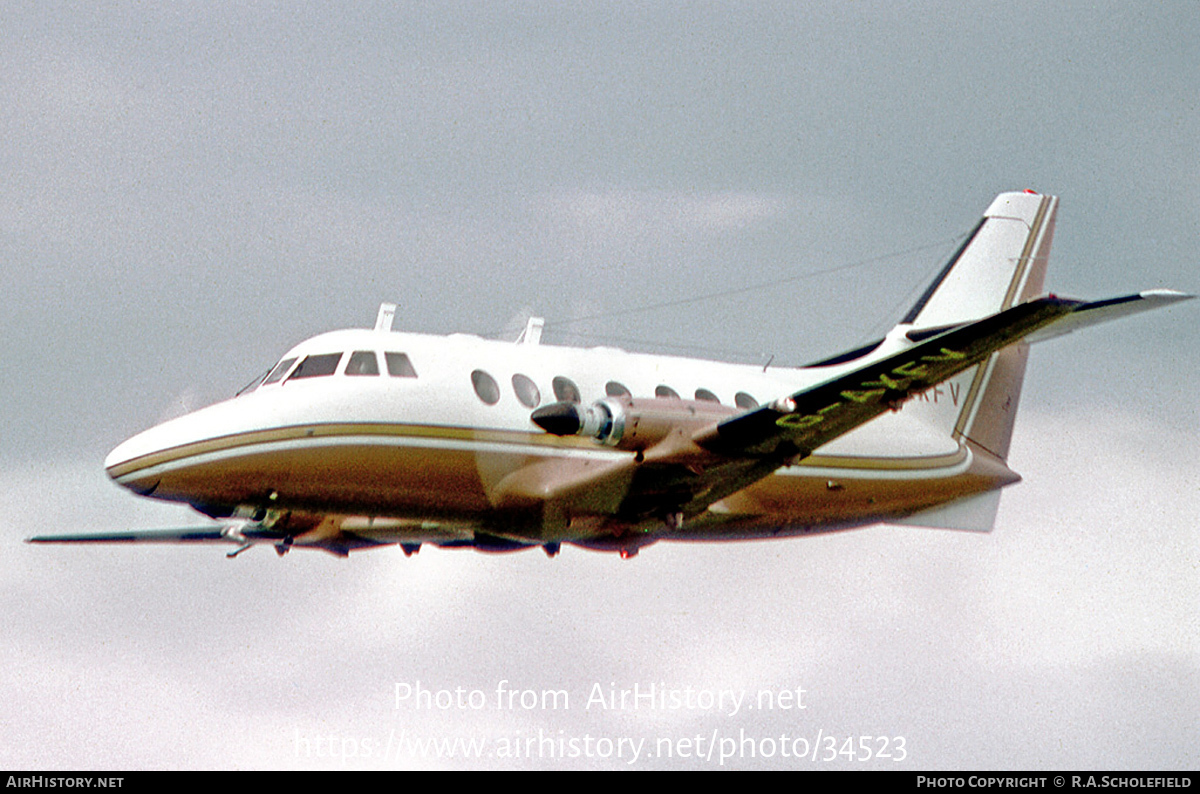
632,424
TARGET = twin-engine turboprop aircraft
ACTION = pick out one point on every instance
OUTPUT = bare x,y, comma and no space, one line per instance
365,438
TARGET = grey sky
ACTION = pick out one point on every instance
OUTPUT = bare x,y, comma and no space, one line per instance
188,189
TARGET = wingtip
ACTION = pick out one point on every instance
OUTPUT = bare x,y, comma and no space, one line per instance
1166,295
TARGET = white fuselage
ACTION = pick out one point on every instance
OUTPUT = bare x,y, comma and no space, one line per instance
419,454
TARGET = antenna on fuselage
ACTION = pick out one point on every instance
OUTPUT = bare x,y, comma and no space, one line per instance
383,320
532,334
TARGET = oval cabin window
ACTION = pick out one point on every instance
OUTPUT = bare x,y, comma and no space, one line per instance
565,390
485,387
744,401
526,390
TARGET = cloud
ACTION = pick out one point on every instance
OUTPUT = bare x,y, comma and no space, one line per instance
1075,619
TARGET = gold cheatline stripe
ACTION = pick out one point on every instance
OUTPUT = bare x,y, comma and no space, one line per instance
884,464
1023,264
495,436
236,440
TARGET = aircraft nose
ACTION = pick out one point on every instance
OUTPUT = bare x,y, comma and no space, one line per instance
127,466
119,455
134,462
147,459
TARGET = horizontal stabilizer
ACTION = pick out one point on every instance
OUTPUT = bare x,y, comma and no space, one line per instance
1112,309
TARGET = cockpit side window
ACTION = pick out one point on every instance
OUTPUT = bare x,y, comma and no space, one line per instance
252,385
399,366
280,370
316,366
362,362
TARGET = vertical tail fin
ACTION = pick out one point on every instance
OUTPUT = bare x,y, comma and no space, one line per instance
1002,263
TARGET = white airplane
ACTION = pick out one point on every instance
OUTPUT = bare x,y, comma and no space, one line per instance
363,438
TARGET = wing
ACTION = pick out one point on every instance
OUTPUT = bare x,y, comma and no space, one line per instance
243,534
180,535
694,460
1089,314
308,531
797,425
